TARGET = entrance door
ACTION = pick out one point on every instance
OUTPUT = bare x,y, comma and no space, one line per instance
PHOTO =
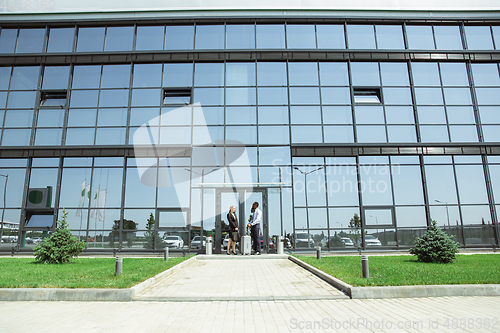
242,199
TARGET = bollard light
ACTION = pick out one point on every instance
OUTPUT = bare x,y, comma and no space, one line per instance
166,254
119,264
364,266
318,253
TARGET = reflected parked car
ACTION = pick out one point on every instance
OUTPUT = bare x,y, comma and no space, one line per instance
303,239
371,240
271,244
225,241
174,242
347,241
195,242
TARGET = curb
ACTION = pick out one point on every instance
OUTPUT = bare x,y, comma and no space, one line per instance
151,282
402,291
239,257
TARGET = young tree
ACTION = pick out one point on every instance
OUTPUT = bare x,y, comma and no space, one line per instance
355,231
153,239
60,246
435,246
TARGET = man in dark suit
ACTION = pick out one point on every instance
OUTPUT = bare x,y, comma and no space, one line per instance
255,224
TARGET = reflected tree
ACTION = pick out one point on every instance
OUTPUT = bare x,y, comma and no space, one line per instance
152,236
355,231
128,225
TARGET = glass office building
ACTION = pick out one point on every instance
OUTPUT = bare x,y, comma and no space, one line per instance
394,119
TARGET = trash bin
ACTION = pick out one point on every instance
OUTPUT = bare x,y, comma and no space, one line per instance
208,246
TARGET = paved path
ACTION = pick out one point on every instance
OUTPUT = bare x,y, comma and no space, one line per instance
440,314
243,279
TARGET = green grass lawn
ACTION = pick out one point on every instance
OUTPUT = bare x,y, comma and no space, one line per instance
406,270
81,272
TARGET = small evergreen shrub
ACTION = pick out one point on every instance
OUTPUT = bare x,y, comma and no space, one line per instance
60,246
435,246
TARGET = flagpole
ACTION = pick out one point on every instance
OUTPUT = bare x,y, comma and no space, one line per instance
104,211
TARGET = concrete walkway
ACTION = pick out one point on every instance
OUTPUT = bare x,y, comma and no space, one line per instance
241,278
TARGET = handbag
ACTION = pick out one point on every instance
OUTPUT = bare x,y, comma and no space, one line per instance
236,236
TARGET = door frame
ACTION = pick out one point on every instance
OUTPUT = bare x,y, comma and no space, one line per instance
242,219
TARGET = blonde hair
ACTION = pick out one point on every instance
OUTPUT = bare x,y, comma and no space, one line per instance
231,208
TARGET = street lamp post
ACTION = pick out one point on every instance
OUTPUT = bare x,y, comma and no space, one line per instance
4,204
305,188
447,214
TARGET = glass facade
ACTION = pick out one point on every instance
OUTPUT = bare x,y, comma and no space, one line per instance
397,140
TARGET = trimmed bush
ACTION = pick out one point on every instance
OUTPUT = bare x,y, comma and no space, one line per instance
60,246
435,246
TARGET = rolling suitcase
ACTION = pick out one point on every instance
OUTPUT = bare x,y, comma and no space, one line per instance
246,245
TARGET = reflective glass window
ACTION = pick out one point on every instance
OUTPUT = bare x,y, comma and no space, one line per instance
425,74
112,117
457,96
401,134
90,39
175,135
305,115
212,116
30,40
8,39
410,217
429,96
337,115
360,37
209,96
274,156
335,95
241,116
496,36
3,102
338,134
489,115
300,36
407,182
61,40
16,137
50,118
397,96
240,74
19,118
21,99
278,135
370,134
110,136
342,185
390,37
86,77
440,184
119,39
376,186
478,38
138,194
48,137
431,115
240,36
115,76
369,115
271,74
485,74
84,98
304,95
434,133
179,37
273,115
306,134
487,96
209,37
5,77
209,74
365,74
394,74
330,36
272,96
178,75
240,96
303,73
454,74
447,37
244,134
80,136
147,75
420,37
333,74
113,98
82,117
463,133
471,184
149,38
55,77
460,115
24,78
146,97
270,36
